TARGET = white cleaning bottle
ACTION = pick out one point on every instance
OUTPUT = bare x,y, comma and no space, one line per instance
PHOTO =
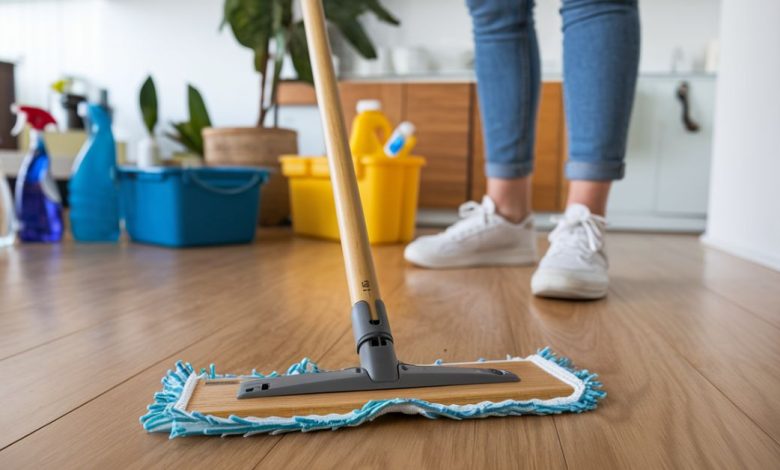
7,213
401,141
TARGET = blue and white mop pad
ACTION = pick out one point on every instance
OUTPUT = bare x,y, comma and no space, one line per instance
169,412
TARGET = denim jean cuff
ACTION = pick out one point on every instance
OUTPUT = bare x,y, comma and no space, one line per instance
595,171
508,170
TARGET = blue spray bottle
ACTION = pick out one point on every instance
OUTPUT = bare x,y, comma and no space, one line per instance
38,202
94,198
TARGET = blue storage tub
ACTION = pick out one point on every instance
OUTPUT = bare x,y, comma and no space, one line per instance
180,207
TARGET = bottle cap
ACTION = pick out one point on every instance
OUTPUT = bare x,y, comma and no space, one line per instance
368,105
406,128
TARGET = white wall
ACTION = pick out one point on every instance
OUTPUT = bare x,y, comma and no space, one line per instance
744,209
667,26
116,43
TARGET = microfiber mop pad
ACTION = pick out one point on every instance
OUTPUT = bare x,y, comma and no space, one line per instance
169,411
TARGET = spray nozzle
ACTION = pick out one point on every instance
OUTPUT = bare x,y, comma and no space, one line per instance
39,119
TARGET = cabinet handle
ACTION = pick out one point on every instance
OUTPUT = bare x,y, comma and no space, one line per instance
682,95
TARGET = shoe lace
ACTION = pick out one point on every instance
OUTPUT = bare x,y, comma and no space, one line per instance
472,214
566,233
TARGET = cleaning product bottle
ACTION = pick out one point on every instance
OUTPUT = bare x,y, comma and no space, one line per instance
369,129
94,198
38,202
402,141
7,216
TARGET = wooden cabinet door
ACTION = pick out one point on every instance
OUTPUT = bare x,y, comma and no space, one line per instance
441,113
547,180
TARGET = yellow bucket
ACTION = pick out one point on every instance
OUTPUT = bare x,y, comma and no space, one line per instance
388,190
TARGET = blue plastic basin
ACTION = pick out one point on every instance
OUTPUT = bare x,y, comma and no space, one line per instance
180,207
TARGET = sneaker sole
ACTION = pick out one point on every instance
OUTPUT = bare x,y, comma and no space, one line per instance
562,285
523,258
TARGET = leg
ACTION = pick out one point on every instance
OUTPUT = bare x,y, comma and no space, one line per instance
498,231
601,58
591,194
512,197
507,68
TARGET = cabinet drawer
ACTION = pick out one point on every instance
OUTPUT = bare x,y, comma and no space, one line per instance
441,113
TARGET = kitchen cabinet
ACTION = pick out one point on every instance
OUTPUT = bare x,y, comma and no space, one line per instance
442,116
667,166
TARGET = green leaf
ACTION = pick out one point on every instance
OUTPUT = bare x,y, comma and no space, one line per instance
299,52
148,101
250,22
188,137
255,23
199,116
355,34
381,13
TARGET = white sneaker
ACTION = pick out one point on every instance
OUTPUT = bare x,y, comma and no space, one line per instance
481,238
575,266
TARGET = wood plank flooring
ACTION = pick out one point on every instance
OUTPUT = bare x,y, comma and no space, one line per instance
687,344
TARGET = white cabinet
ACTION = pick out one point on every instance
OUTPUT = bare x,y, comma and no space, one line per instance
667,166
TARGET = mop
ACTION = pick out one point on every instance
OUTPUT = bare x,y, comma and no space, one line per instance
306,398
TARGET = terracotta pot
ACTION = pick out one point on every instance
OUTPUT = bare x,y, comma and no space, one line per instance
255,146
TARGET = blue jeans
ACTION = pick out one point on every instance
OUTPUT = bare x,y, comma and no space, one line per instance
600,63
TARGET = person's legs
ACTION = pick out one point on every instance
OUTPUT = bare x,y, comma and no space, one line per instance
500,230
512,197
600,60
600,63
507,69
591,194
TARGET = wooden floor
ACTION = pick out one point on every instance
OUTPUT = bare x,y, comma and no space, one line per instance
687,344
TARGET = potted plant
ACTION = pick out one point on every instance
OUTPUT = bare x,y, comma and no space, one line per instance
188,134
270,29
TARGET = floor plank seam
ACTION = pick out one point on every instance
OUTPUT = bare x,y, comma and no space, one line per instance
96,324
693,366
324,354
738,305
52,340
560,443
517,349
113,387
706,287
265,456
731,401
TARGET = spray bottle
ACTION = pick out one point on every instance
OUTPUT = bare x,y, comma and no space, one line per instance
94,198
38,202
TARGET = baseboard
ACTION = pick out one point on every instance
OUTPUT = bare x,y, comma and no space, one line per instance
756,256
617,222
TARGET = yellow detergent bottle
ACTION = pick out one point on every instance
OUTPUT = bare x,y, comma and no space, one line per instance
370,129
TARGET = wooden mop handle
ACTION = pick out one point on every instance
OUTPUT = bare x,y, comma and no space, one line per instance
361,277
